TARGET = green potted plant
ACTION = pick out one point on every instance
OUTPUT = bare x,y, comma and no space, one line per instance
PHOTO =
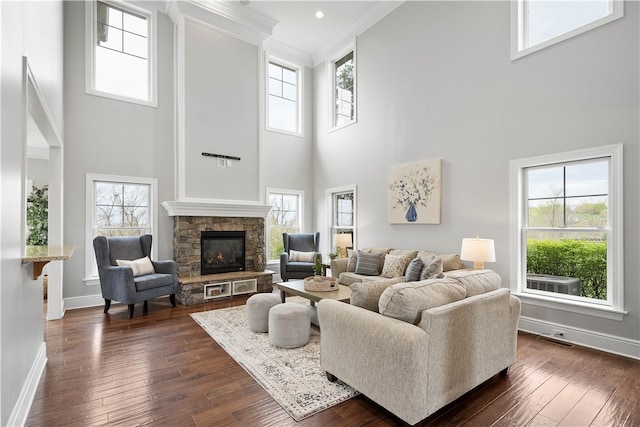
38,216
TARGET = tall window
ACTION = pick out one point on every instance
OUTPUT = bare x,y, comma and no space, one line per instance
570,227
537,24
343,213
118,206
283,109
344,95
121,52
285,217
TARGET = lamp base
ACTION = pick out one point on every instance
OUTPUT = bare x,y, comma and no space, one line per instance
478,265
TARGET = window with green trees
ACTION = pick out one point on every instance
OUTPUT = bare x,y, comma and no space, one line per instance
284,217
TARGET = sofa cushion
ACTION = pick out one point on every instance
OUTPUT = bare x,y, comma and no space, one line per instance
380,251
407,301
347,278
432,268
298,256
413,270
353,260
140,266
477,281
368,264
152,281
395,265
449,261
366,294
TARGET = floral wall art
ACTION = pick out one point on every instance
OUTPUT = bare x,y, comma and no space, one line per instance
415,193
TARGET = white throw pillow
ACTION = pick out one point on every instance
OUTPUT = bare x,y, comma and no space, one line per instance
139,266
299,256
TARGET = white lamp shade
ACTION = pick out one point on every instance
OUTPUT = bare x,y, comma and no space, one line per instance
476,249
343,240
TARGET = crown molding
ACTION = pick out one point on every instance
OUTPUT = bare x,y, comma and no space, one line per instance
221,208
376,13
231,18
286,52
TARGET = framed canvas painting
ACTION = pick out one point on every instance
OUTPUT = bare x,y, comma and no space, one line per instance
415,193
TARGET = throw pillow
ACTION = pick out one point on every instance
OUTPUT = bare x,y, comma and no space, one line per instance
353,260
431,269
407,301
413,270
394,265
367,294
139,266
299,256
367,264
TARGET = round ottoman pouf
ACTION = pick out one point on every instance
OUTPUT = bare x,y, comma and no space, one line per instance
258,307
289,325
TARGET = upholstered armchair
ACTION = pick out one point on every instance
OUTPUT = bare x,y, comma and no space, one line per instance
127,273
300,252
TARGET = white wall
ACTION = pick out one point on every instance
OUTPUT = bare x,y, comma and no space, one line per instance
21,310
435,81
106,136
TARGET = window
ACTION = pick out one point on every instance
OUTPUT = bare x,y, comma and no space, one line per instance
537,24
121,51
285,217
284,106
343,213
569,227
344,90
118,206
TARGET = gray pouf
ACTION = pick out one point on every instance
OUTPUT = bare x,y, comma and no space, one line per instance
258,307
289,325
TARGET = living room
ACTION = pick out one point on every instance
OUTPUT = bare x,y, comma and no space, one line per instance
435,80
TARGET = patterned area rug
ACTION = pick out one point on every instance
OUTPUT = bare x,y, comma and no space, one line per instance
293,377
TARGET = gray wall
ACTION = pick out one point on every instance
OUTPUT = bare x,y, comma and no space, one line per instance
106,136
435,80
21,311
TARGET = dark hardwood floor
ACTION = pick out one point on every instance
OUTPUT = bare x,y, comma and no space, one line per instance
162,369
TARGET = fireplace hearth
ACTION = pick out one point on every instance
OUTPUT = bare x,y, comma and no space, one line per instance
222,251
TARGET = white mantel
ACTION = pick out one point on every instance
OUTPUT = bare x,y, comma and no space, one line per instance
219,208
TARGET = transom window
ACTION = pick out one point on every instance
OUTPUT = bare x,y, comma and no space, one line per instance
121,52
537,24
285,217
344,97
570,227
283,109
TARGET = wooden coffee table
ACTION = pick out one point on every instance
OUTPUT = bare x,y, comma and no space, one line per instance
296,287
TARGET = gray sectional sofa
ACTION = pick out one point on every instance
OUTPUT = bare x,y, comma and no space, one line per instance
414,347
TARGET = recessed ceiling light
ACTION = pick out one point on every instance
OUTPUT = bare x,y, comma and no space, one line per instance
319,14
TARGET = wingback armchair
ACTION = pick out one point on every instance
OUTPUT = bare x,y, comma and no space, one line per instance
127,273
300,252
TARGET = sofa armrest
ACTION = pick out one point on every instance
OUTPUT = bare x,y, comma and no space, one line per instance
383,358
338,265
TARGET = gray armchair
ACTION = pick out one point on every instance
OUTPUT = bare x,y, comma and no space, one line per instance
119,283
301,242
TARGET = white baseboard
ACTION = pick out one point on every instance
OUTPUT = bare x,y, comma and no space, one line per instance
84,301
596,340
22,407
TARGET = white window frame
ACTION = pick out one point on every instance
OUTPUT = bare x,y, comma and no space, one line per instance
90,43
300,194
300,98
330,194
613,308
519,28
331,72
91,272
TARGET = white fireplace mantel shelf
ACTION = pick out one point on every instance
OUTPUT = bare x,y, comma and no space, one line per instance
216,208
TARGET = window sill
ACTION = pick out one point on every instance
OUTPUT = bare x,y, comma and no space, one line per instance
285,132
333,129
572,306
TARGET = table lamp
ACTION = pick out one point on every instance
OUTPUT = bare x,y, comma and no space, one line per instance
343,241
479,251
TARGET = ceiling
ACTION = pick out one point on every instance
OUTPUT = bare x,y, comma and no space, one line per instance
298,27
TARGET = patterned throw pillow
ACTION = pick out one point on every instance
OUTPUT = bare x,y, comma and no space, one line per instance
432,268
367,264
353,260
413,270
394,266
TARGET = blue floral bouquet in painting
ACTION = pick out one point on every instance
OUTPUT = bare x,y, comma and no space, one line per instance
412,188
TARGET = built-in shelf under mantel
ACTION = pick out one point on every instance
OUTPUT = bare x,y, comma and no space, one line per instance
217,208
42,255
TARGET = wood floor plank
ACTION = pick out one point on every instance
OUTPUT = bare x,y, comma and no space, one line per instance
162,369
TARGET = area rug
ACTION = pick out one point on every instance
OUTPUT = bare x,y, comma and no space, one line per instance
293,377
